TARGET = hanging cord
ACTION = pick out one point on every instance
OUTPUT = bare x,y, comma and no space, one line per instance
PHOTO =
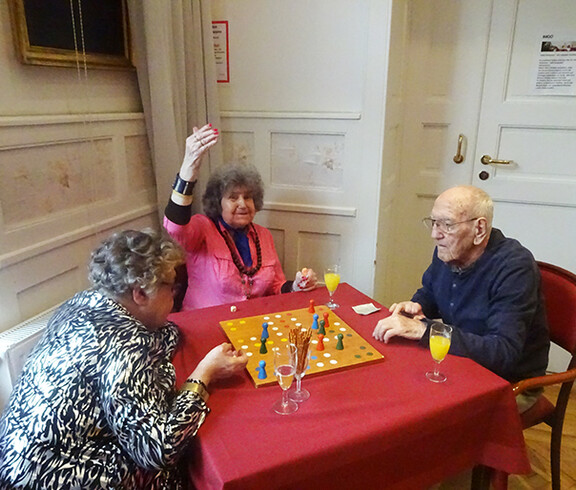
82,75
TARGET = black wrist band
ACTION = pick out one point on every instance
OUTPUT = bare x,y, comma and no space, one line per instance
182,186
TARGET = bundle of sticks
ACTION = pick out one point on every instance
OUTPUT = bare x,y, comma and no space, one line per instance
301,339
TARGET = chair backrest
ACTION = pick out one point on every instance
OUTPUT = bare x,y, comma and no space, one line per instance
559,290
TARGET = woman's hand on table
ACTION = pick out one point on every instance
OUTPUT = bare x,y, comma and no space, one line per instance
197,144
221,362
305,280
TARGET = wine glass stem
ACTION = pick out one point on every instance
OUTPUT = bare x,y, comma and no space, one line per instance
298,383
436,368
284,398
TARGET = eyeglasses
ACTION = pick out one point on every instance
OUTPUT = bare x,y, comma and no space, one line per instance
443,226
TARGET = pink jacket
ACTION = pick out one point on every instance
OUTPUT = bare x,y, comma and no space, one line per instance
213,279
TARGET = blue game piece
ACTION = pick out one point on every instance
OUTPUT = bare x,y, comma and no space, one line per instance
315,322
265,334
261,370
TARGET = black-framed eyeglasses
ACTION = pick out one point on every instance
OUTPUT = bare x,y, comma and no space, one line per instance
442,225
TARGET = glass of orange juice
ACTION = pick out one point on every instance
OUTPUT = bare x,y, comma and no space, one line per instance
440,336
332,279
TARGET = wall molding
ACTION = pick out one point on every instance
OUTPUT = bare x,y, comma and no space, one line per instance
347,212
64,239
42,120
352,116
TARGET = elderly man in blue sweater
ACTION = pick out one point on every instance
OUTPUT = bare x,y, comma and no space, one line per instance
483,284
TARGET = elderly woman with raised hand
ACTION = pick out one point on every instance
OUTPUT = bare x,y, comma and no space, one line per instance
228,257
96,405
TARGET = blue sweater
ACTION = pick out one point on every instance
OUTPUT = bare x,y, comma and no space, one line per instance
495,307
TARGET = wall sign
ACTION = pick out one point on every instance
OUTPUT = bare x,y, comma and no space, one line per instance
556,66
221,52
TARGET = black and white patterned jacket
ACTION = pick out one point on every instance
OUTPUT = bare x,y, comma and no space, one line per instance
95,406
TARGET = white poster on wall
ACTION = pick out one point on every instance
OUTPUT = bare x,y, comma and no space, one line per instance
556,66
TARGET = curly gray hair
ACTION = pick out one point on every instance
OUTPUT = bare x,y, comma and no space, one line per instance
133,259
226,178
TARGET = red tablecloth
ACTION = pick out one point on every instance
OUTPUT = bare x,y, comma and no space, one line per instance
381,425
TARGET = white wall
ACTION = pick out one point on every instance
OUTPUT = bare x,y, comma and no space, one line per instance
306,104
74,165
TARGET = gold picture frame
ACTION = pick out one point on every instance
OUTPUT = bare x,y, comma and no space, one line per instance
72,33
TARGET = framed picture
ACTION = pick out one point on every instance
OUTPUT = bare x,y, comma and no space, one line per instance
72,32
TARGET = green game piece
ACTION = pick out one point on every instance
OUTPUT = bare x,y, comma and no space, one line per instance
263,349
322,330
339,344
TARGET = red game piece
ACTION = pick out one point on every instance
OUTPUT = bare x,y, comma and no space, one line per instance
311,307
320,345
326,322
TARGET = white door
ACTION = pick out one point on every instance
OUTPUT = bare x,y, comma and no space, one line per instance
535,129
446,54
528,119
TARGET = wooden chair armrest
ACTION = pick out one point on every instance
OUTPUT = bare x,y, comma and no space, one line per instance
546,380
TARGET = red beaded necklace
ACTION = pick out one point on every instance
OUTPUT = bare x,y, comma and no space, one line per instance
234,252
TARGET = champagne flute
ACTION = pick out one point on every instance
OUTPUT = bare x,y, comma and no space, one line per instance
440,336
285,359
299,394
332,279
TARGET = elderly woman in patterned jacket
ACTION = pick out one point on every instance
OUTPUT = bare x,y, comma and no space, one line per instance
228,257
96,404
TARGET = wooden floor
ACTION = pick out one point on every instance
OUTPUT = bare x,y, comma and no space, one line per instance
538,444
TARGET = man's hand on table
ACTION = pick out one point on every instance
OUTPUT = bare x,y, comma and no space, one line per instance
404,321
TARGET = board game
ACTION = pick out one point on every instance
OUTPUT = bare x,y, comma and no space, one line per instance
343,347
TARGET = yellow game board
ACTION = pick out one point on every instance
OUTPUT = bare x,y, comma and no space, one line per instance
245,334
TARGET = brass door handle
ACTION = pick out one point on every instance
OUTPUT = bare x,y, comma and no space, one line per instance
487,160
459,158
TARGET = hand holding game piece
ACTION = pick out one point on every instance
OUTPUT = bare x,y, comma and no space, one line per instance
305,280
221,362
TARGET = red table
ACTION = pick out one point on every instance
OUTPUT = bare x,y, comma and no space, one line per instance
379,425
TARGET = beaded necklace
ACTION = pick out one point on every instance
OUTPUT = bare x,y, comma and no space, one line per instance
244,271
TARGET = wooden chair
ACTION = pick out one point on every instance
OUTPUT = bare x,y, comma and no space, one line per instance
559,291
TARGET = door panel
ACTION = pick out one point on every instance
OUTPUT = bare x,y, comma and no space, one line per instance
536,132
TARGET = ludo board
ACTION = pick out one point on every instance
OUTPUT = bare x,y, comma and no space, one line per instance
245,334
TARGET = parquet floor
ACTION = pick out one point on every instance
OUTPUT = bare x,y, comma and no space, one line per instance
538,445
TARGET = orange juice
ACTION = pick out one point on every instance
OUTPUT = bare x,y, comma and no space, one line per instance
439,346
332,280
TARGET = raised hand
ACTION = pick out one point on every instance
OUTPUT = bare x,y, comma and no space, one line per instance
197,144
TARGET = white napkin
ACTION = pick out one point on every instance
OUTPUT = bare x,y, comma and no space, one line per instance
365,309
